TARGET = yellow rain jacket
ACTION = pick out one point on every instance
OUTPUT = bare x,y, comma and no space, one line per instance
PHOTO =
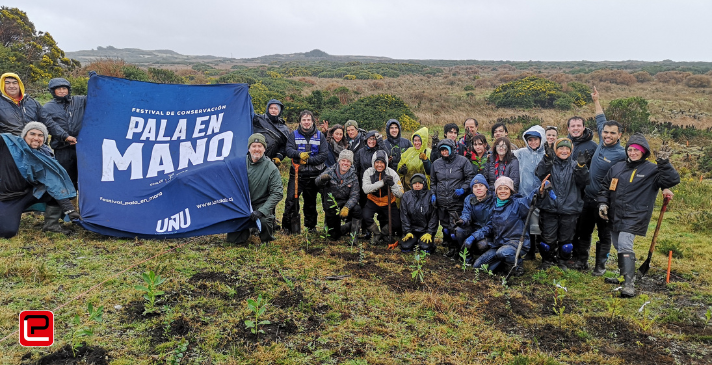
411,158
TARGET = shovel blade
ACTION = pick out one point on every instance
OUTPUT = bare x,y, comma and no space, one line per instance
643,269
296,224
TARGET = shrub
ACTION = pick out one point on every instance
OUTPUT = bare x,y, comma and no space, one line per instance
408,124
672,77
349,77
705,161
469,87
371,112
632,113
643,76
107,67
261,95
664,246
565,102
618,77
132,72
698,81
561,78
532,91
236,78
580,93
79,85
164,76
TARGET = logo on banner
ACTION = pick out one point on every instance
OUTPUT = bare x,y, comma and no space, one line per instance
36,328
174,222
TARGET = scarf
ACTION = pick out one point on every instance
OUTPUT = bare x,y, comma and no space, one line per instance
497,173
500,203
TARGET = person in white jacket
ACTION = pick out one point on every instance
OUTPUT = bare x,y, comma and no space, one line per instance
377,182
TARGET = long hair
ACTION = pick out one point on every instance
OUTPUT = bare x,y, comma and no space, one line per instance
507,156
330,135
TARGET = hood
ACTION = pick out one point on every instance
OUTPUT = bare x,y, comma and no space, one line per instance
388,128
379,154
537,131
369,135
451,144
586,136
423,133
639,139
425,181
58,82
19,81
275,101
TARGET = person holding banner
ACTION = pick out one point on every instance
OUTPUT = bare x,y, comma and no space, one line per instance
308,150
273,128
265,185
28,175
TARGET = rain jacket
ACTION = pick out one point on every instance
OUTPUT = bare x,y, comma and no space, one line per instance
274,129
602,161
476,213
411,158
511,171
583,143
265,184
395,145
67,113
357,143
529,159
316,162
418,216
14,116
344,188
39,169
374,186
364,157
506,223
449,174
637,183
568,181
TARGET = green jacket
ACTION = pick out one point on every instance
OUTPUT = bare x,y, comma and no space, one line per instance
265,184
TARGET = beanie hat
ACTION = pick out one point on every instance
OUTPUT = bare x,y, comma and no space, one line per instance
638,147
562,142
35,125
504,180
479,179
346,154
444,146
256,138
349,123
417,178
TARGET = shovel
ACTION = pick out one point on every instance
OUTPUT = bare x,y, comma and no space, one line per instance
646,265
296,219
524,232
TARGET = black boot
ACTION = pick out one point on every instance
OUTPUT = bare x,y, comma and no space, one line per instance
531,255
601,258
52,215
626,262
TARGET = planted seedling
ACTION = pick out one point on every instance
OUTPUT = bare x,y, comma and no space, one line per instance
258,308
325,234
86,329
353,239
152,281
334,205
361,254
708,316
646,321
613,305
463,256
179,352
290,283
419,261
559,294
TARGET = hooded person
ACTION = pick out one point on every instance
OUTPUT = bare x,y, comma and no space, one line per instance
394,143
529,157
340,191
475,215
355,136
506,225
273,128
265,185
28,175
415,160
627,198
559,211
336,139
17,108
419,218
450,181
308,150
377,181
364,157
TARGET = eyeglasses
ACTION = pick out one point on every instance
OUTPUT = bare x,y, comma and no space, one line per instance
502,146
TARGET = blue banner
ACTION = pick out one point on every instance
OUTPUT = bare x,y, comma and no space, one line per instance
164,161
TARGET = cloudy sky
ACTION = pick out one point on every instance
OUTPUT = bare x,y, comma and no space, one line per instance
520,30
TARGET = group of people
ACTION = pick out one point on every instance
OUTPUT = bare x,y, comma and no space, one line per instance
489,201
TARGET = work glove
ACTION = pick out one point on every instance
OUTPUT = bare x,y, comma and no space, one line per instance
427,238
422,156
407,237
73,215
325,178
549,154
304,156
459,192
388,179
469,241
432,199
255,215
378,136
276,161
664,152
344,212
403,170
603,211
459,223
583,158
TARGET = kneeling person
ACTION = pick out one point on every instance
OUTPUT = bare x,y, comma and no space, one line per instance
377,182
419,218
472,232
339,186
265,186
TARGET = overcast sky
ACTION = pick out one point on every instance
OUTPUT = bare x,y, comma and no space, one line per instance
519,30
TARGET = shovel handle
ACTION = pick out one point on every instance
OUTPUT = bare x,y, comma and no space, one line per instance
666,200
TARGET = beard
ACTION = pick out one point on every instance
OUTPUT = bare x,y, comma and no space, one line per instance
256,156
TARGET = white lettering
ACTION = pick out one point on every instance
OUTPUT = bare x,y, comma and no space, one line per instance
135,125
160,160
215,122
180,130
162,130
111,156
150,132
198,126
187,153
227,146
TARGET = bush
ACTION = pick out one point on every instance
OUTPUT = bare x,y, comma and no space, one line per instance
469,87
580,93
132,72
532,91
643,76
371,112
408,124
672,77
618,77
349,77
164,76
698,81
705,161
664,246
632,113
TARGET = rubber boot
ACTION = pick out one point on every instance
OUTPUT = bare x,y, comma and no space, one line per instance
375,233
601,258
345,228
531,255
52,215
626,262
384,235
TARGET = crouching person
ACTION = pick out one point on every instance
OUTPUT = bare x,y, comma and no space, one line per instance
340,192
472,232
419,217
507,224
29,175
378,181
265,186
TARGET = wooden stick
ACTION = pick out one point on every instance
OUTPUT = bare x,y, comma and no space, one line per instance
667,281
